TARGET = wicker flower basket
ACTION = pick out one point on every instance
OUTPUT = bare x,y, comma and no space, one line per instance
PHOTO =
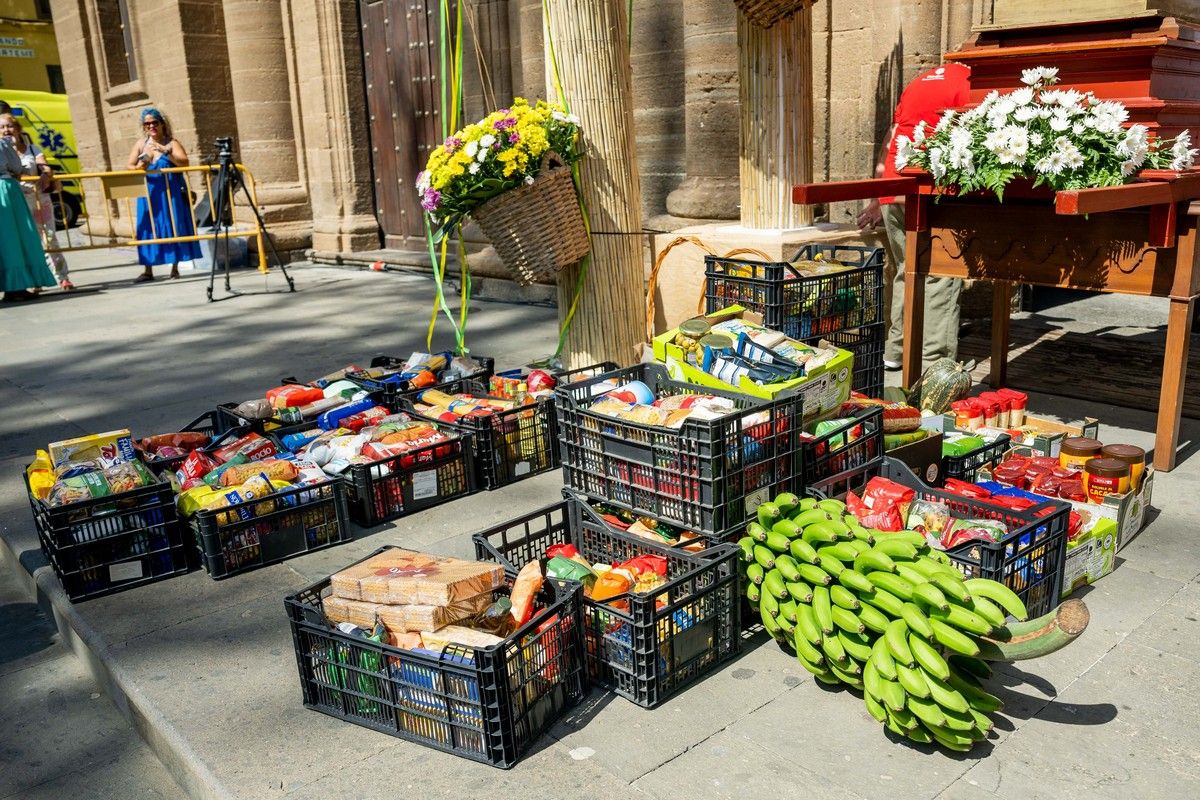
537,229
766,13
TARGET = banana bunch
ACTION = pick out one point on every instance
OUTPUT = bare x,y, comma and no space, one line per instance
881,612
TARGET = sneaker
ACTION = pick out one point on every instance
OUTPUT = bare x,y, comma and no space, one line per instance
891,366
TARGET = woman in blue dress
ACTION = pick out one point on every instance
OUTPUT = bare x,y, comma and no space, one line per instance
166,211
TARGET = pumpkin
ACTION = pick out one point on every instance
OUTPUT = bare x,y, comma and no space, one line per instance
943,383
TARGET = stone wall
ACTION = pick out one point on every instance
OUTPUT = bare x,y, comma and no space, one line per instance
285,79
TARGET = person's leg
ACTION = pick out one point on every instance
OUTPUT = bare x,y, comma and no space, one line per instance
941,318
893,224
174,269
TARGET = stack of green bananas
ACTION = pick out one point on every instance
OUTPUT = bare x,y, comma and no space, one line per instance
881,612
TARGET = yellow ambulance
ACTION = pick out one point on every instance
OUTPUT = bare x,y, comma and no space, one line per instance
46,118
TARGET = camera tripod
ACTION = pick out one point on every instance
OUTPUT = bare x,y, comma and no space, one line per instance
224,187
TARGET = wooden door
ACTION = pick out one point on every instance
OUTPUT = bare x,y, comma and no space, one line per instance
401,53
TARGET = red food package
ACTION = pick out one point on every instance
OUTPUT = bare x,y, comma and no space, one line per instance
565,550
1010,473
647,562
1045,463
1072,490
253,446
1045,484
1074,525
1015,503
362,419
195,467
883,504
965,489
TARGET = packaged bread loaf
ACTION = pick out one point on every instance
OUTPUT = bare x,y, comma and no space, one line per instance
398,577
403,618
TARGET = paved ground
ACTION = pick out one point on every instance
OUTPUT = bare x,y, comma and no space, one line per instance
205,669
62,736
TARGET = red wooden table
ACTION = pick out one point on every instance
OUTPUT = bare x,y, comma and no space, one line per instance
1137,239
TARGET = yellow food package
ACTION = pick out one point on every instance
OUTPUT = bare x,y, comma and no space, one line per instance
41,475
192,500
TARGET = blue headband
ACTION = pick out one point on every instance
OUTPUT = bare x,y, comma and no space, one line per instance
150,112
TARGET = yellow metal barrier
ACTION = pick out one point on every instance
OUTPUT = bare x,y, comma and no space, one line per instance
92,193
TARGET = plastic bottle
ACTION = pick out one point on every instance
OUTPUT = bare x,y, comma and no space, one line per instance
330,419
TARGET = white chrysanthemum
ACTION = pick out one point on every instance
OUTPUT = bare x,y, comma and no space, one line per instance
1078,128
1136,138
987,101
1059,122
1045,112
1039,76
1072,158
960,138
1010,144
1022,96
473,169
919,132
1035,139
945,122
936,166
1051,164
1182,155
529,180
487,140
472,148
1025,113
423,179
905,151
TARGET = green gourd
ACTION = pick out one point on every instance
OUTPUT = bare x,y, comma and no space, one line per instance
943,383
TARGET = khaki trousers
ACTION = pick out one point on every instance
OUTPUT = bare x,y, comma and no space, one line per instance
941,300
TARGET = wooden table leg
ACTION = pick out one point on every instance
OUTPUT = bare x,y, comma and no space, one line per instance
1001,306
1170,401
914,311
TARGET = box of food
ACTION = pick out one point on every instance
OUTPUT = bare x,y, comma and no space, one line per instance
108,448
1126,511
824,388
398,577
1090,555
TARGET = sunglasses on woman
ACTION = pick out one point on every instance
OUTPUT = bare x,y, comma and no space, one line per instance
154,123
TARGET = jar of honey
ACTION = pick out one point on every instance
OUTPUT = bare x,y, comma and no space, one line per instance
1132,455
1105,476
1076,451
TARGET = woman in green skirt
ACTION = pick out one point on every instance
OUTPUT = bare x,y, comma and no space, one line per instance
22,260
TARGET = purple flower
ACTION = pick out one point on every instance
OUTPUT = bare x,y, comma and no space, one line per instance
514,137
452,143
504,124
430,200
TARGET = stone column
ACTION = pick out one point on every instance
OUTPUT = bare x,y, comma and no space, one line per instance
258,66
710,53
529,64
324,37
775,74
487,51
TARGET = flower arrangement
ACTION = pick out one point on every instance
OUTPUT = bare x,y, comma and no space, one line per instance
500,152
1062,138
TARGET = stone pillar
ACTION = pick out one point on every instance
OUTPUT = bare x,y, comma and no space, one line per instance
487,50
325,41
710,190
529,64
775,75
267,142
592,48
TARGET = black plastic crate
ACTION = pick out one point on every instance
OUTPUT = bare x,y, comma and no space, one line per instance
1029,560
488,704
801,307
206,423
965,467
856,442
707,476
663,639
109,544
390,392
866,343
508,445
279,526
403,484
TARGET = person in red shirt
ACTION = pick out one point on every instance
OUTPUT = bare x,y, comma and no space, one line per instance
925,99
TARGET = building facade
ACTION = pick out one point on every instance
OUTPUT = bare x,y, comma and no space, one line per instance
334,103
28,51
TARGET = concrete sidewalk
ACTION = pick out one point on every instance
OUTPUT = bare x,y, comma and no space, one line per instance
206,673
